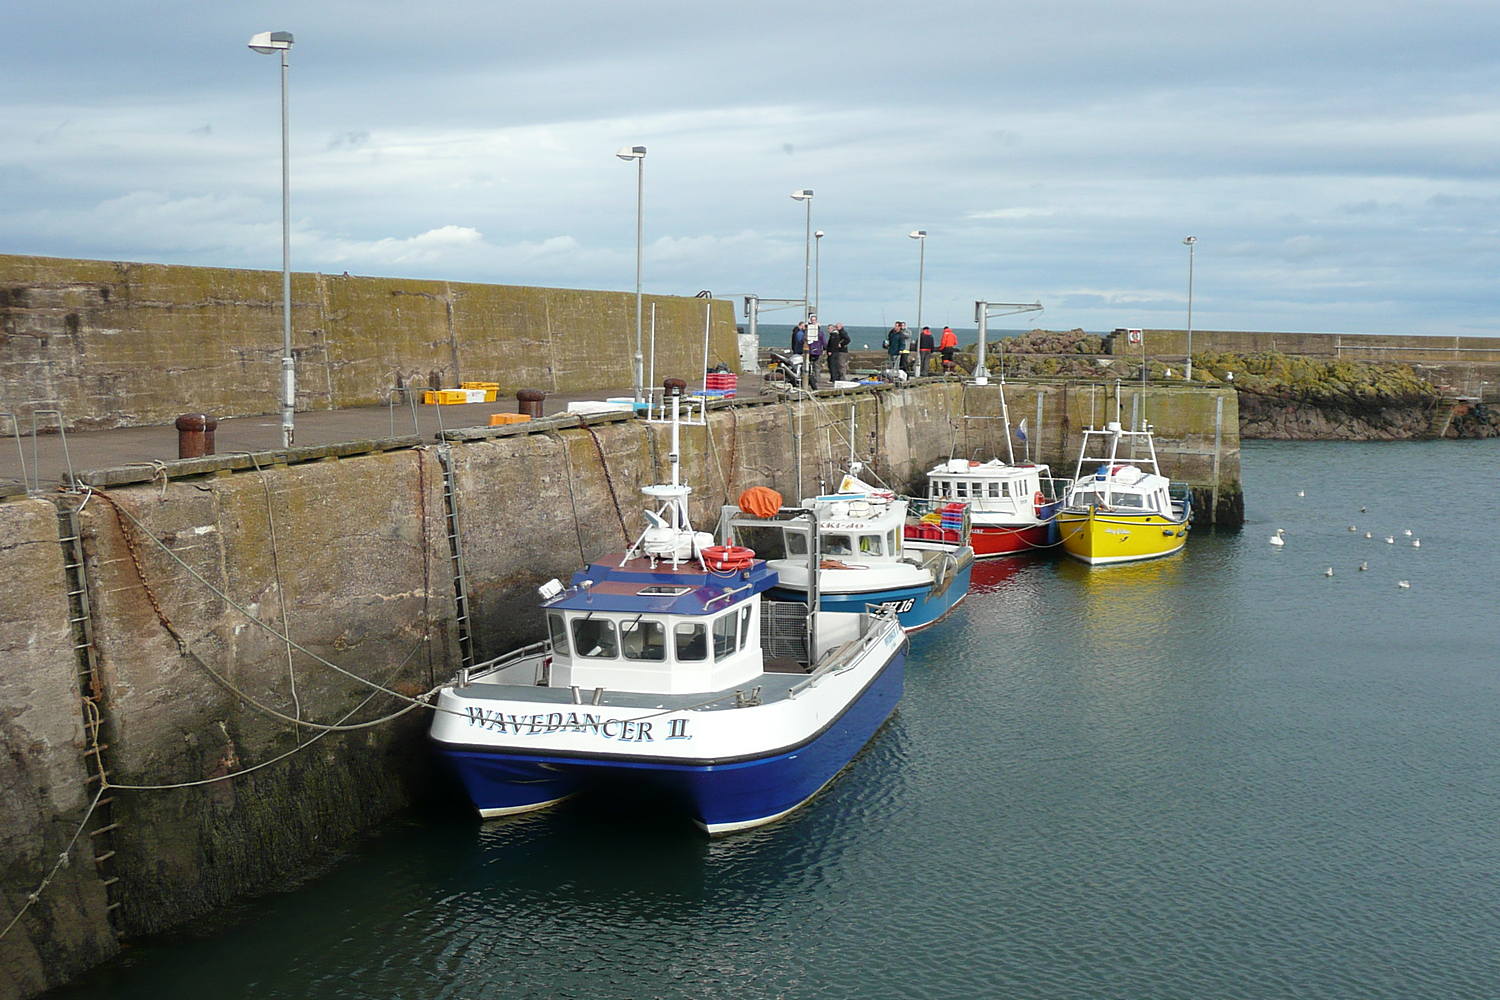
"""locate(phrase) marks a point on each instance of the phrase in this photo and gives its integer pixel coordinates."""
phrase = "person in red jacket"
(948, 346)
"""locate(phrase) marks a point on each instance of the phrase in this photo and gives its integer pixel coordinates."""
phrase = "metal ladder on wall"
(91, 692)
(456, 555)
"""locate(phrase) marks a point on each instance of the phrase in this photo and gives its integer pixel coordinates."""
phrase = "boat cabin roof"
(637, 586)
(993, 469)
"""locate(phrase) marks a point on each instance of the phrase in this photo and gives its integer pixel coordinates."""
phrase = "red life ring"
(727, 558)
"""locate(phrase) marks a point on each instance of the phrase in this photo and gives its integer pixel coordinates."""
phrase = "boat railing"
(504, 660)
(873, 627)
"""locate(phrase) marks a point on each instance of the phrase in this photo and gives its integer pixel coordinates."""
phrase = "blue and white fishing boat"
(664, 668)
(861, 556)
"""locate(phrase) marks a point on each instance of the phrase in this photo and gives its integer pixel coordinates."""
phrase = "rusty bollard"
(195, 435)
(529, 402)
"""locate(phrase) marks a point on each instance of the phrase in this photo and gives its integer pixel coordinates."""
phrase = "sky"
(1339, 162)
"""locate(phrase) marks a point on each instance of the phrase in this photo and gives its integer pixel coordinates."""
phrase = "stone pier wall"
(119, 345)
(192, 579)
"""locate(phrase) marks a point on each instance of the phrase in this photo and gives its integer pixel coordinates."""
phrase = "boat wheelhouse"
(1012, 508)
(856, 542)
(1124, 509)
(664, 667)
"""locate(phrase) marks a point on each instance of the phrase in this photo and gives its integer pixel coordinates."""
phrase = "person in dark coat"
(838, 353)
(925, 345)
(895, 345)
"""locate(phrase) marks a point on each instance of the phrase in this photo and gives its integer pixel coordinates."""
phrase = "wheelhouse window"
(645, 639)
(796, 543)
(557, 630)
(745, 626)
(595, 637)
(724, 635)
(767, 541)
(837, 545)
(891, 545)
(1132, 500)
(690, 640)
(870, 545)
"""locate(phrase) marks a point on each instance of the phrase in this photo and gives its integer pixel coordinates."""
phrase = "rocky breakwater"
(1310, 399)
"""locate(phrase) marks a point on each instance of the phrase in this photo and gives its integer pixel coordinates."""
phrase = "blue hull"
(723, 796)
(915, 607)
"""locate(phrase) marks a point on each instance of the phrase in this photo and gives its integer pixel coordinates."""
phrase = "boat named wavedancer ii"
(1125, 509)
(665, 668)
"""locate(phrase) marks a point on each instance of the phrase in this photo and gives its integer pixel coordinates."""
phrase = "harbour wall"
(113, 344)
(1436, 350)
(235, 611)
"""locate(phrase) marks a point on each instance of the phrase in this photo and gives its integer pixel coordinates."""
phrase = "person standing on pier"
(799, 351)
(948, 345)
(924, 345)
(817, 342)
(895, 346)
(838, 353)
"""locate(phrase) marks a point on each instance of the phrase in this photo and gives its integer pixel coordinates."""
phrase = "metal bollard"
(195, 435)
(529, 402)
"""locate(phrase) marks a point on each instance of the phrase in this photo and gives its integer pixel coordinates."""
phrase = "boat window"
(764, 539)
(869, 545)
(644, 640)
(558, 631)
(745, 626)
(796, 543)
(691, 640)
(595, 637)
(1004, 489)
(961, 490)
(1084, 498)
(837, 545)
(1132, 500)
(890, 543)
(724, 635)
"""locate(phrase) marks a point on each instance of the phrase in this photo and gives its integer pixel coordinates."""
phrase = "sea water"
(1222, 774)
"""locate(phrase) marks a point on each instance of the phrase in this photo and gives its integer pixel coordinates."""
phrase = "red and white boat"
(1012, 508)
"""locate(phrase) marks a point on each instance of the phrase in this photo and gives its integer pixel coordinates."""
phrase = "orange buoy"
(727, 558)
(760, 501)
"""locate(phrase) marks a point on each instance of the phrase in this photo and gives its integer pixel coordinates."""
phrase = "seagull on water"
(1390, 539)
(1363, 510)
(1416, 543)
(1302, 493)
(1404, 584)
(1363, 566)
(1328, 571)
(1353, 528)
(1276, 538)
(1368, 535)
(1407, 532)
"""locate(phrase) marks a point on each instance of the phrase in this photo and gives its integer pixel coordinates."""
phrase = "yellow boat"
(1125, 509)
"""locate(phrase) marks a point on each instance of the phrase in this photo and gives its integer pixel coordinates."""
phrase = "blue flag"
(1021, 430)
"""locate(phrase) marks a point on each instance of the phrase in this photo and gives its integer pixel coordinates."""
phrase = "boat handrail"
(726, 595)
(853, 649)
(542, 647)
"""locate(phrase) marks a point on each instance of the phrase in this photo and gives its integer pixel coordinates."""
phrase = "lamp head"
(271, 41)
(802, 195)
(631, 152)
(917, 234)
(1189, 240)
(818, 234)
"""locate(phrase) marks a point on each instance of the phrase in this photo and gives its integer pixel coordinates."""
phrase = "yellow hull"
(1100, 537)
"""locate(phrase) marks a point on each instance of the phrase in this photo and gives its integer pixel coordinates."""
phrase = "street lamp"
(920, 235)
(266, 43)
(638, 154)
(806, 195)
(1191, 242)
(818, 273)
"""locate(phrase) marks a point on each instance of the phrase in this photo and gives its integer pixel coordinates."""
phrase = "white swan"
(1416, 543)
(1407, 532)
(1368, 535)
(1301, 493)
(1404, 584)
(1276, 538)
(1390, 539)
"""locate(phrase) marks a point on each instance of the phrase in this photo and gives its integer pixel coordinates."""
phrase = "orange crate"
(501, 419)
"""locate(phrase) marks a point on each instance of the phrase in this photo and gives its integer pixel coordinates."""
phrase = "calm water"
(1221, 775)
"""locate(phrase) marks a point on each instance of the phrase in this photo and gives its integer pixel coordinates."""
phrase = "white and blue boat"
(666, 670)
(863, 560)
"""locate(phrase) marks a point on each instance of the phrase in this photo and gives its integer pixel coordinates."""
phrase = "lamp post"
(818, 273)
(1191, 242)
(638, 154)
(266, 43)
(920, 235)
(806, 195)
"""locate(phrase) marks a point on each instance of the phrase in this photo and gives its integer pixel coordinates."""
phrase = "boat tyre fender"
(727, 558)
